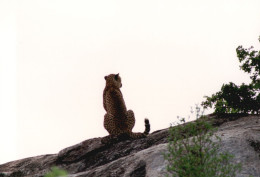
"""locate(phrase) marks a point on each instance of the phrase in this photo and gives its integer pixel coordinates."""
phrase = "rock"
(242, 139)
(148, 162)
(142, 157)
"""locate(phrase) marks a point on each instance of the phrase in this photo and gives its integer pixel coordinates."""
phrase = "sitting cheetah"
(118, 120)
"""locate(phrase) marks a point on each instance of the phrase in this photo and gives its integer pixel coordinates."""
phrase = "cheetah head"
(113, 80)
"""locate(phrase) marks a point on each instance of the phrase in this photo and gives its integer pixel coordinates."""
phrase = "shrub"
(193, 153)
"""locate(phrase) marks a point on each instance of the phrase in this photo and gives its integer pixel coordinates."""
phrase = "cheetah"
(118, 120)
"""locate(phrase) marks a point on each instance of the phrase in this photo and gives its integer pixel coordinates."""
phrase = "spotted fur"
(118, 120)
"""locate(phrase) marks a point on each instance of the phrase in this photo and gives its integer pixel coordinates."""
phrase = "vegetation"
(244, 98)
(193, 151)
(56, 172)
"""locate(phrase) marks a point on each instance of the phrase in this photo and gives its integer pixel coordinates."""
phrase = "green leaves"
(234, 99)
(250, 61)
(193, 153)
(56, 172)
(244, 98)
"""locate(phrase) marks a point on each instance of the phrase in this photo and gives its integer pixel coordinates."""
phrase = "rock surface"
(142, 157)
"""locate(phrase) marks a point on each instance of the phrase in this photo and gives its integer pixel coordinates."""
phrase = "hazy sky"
(55, 53)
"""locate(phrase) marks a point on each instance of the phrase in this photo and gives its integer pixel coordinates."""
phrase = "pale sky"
(55, 53)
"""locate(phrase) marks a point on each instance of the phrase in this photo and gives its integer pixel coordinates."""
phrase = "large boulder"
(142, 157)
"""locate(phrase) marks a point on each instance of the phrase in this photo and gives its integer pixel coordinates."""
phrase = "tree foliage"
(244, 98)
(250, 61)
(234, 99)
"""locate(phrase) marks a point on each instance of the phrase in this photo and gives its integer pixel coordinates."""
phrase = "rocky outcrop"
(142, 157)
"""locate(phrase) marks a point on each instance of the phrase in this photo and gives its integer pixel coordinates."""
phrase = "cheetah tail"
(147, 127)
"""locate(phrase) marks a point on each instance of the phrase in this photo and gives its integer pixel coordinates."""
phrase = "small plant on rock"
(56, 172)
(193, 151)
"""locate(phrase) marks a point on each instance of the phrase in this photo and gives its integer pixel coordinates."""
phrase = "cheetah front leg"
(110, 125)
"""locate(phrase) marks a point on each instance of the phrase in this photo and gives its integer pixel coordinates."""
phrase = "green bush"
(193, 153)
(56, 172)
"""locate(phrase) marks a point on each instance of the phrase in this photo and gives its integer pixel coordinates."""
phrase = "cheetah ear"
(116, 76)
(105, 77)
